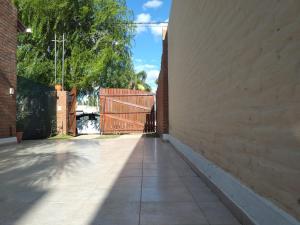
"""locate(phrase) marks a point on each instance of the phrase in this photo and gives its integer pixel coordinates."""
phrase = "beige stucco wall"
(234, 90)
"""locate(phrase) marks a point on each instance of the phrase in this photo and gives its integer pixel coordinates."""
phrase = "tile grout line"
(195, 171)
(189, 191)
(140, 210)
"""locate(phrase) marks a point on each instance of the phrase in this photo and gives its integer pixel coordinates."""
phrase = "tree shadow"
(122, 203)
(27, 171)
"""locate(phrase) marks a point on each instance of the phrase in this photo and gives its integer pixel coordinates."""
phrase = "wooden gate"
(72, 100)
(126, 111)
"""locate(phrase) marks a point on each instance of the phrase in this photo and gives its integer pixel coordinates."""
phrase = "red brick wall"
(62, 112)
(8, 44)
(162, 105)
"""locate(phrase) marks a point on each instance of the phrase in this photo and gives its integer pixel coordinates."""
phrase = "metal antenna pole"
(55, 58)
(55, 62)
(63, 62)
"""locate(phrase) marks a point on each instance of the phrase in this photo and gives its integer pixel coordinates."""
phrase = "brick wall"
(162, 114)
(8, 44)
(234, 90)
(62, 112)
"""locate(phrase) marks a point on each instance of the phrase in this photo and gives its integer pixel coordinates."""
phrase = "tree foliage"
(98, 49)
(139, 82)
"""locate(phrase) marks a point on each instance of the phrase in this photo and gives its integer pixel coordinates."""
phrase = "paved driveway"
(128, 180)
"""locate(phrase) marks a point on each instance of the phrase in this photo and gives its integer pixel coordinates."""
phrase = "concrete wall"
(8, 45)
(234, 90)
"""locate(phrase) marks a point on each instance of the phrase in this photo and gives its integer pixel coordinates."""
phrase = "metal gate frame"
(126, 111)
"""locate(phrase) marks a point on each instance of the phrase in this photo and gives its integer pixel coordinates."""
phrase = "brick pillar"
(62, 112)
(162, 95)
(8, 79)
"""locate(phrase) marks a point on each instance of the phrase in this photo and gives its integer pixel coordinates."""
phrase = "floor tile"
(193, 182)
(186, 173)
(218, 214)
(171, 213)
(125, 182)
(50, 213)
(95, 182)
(121, 195)
(133, 165)
(12, 211)
(131, 172)
(159, 182)
(202, 195)
(26, 196)
(166, 194)
(151, 165)
(159, 172)
(115, 214)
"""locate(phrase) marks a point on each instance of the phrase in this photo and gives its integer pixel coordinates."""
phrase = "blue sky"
(147, 45)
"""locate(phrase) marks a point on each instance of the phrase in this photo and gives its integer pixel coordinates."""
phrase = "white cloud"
(157, 30)
(138, 60)
(142, 18)
(145, 67)
(152, 4)
(152, 73)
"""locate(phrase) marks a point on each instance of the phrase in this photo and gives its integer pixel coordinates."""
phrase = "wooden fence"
(126, 111)
(72, 123)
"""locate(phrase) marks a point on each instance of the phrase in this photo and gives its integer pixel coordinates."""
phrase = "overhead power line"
(150, 23)
(146, 24)
(153, 26)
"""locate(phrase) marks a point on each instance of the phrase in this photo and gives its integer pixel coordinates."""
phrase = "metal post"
(63, 62)
(55, 60)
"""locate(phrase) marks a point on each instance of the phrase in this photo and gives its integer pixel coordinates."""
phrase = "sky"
(147, 44)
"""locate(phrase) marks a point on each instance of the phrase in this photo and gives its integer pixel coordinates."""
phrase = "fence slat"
(126, 111)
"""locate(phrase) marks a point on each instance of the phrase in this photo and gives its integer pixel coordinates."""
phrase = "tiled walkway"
(128, 180)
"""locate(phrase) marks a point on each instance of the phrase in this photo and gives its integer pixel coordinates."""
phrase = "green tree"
(138, 81)
(98, 48)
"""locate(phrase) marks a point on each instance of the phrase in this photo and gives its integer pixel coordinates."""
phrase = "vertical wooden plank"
(123, 110)
(72, 126)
